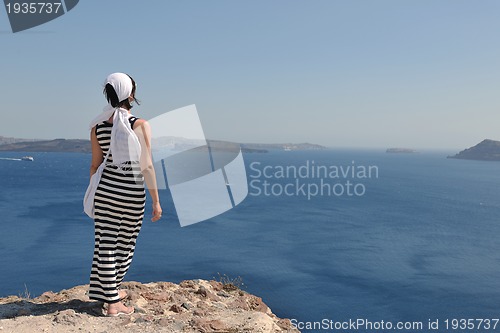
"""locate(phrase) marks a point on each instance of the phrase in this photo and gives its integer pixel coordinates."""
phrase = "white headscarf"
(125, 145)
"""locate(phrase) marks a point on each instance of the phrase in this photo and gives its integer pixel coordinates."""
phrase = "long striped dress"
(119, 210)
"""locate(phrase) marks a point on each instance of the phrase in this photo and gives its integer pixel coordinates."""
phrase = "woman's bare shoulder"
(140, 122)
(141, 125)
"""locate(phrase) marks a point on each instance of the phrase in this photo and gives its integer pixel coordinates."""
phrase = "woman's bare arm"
(97, 157)
(143, 131)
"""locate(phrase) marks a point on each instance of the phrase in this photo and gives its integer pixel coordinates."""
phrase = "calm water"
(422, 242)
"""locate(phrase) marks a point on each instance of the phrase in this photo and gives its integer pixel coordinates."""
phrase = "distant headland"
(57, 145)
(83, 146)
(486, 150)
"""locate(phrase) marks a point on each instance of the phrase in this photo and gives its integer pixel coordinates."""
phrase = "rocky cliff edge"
(190, 306)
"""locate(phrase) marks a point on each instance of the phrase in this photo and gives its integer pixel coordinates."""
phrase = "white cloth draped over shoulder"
(125, 145)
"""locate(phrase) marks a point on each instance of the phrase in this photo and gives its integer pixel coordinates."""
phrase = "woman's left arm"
(143, 131)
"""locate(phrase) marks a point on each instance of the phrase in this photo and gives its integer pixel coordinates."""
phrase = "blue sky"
(420, 74)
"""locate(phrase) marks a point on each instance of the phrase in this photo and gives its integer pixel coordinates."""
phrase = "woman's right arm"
(96, 153)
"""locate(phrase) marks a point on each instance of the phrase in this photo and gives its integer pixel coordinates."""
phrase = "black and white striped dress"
(119, 210)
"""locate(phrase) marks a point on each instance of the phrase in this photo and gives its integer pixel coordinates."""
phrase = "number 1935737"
(33, 7)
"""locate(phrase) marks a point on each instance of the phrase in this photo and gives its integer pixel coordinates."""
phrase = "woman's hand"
(156, 212)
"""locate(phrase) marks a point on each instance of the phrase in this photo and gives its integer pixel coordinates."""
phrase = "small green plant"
(230, 284)
(25, 294)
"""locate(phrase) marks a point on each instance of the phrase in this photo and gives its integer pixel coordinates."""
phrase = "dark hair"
(112, 97)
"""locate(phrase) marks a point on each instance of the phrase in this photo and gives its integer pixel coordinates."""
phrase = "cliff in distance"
(57, 145)
(486, 150)
(83, 146)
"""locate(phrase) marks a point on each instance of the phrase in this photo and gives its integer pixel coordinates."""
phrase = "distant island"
(57, 145)
(83, 146)
(486, 150)
(283, 146)
(400, 151)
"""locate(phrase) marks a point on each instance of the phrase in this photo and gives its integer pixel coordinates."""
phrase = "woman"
(120, 197)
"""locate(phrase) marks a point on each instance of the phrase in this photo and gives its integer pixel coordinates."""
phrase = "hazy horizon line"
(356, 147)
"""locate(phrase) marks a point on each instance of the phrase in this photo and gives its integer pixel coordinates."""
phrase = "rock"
(133, 296)
(187, 284)
(217, 286)
(157, 310)
(191, 306)
(256, 303)
(162, 297)
(285, 324)
(202, 291)
(47, 296)
(178, 299)
(240, 303)
(140, 303)
(175, 308)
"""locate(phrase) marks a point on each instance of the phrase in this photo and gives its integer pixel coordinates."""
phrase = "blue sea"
(419, 241)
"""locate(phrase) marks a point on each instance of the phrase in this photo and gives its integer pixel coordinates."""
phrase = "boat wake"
(10, 159)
